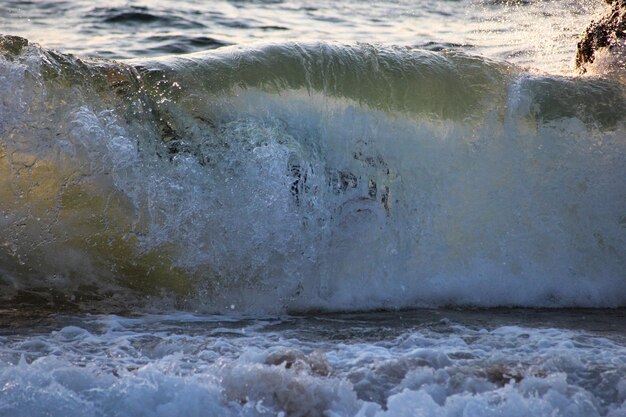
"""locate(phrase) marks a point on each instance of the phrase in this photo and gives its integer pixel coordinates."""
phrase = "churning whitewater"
(410, 364)
(308, 176)
(407, 208)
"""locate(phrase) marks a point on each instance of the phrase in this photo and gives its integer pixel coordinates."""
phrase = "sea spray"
(305, 176)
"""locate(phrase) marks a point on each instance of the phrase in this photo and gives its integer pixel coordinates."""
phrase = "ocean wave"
(308, 176)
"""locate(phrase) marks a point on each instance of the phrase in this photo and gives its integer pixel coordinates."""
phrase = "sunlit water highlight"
(538, 34)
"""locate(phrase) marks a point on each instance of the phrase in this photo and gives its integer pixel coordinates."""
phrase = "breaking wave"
(308, 176)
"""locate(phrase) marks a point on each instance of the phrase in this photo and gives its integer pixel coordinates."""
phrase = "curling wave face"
(308, 176)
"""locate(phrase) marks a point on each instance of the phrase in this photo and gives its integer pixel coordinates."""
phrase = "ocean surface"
(298, 209)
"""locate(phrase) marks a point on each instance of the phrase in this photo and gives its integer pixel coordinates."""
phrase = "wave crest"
(308, 176)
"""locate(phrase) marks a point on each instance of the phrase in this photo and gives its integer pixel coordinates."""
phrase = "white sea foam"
(113, 366)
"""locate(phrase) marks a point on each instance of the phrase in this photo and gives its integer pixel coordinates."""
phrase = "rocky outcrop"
(609, 32)
(11, 46)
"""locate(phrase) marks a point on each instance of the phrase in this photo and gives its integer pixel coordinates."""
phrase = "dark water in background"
(531, 33)
(436, 159)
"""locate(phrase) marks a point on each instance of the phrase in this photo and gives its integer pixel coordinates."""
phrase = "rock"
(314, 363)
(12, 45)
(609, 33)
